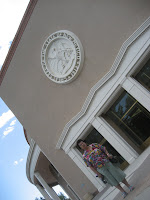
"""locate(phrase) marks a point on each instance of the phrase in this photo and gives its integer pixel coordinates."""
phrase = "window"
(131, 120)
(143, 76)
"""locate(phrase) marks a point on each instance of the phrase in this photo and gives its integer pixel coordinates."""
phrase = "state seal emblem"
(62, 57)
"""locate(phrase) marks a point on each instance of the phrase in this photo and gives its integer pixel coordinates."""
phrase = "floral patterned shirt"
(96, 157)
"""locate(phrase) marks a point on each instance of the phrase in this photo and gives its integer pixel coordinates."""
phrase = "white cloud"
(13, 122)
(5, 117)
(16, 162)
(8, 130)
(11, 13)
(21, 160)
(3, 53)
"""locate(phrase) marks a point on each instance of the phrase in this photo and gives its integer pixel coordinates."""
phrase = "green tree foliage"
(41, 198)
(63, 197)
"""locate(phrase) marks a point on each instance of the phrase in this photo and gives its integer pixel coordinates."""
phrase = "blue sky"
(13, 146)
(13, 154)
(14, 149)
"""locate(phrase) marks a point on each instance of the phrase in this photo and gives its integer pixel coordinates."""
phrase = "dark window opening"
(143, 76)
(128, 115)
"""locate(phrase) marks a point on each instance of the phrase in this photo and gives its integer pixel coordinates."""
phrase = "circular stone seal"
(62, 56)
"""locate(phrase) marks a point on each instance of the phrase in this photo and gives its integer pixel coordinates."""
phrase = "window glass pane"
(121, 106)
(139, 122)
(144, 75)
(94, 137)
(132, 118)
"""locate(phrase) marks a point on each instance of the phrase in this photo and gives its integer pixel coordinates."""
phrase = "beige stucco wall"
(44, 107)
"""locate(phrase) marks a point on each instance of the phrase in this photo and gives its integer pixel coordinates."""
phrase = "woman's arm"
(105, 151)
(109, 155)
(96, 172)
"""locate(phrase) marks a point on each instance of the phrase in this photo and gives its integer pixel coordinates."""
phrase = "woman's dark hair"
(80, 140)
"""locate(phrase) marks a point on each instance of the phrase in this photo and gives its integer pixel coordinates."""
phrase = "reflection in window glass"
(131, 117)
(122, 105)
(144, 75)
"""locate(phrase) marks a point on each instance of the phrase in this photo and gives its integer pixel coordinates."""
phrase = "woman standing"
(97, 158)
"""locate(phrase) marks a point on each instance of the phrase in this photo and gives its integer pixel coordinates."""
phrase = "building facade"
(80, 69)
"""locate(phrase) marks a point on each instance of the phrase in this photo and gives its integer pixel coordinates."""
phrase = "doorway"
(93, 136)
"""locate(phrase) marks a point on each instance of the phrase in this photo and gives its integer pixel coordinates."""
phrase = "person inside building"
(98, 159)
